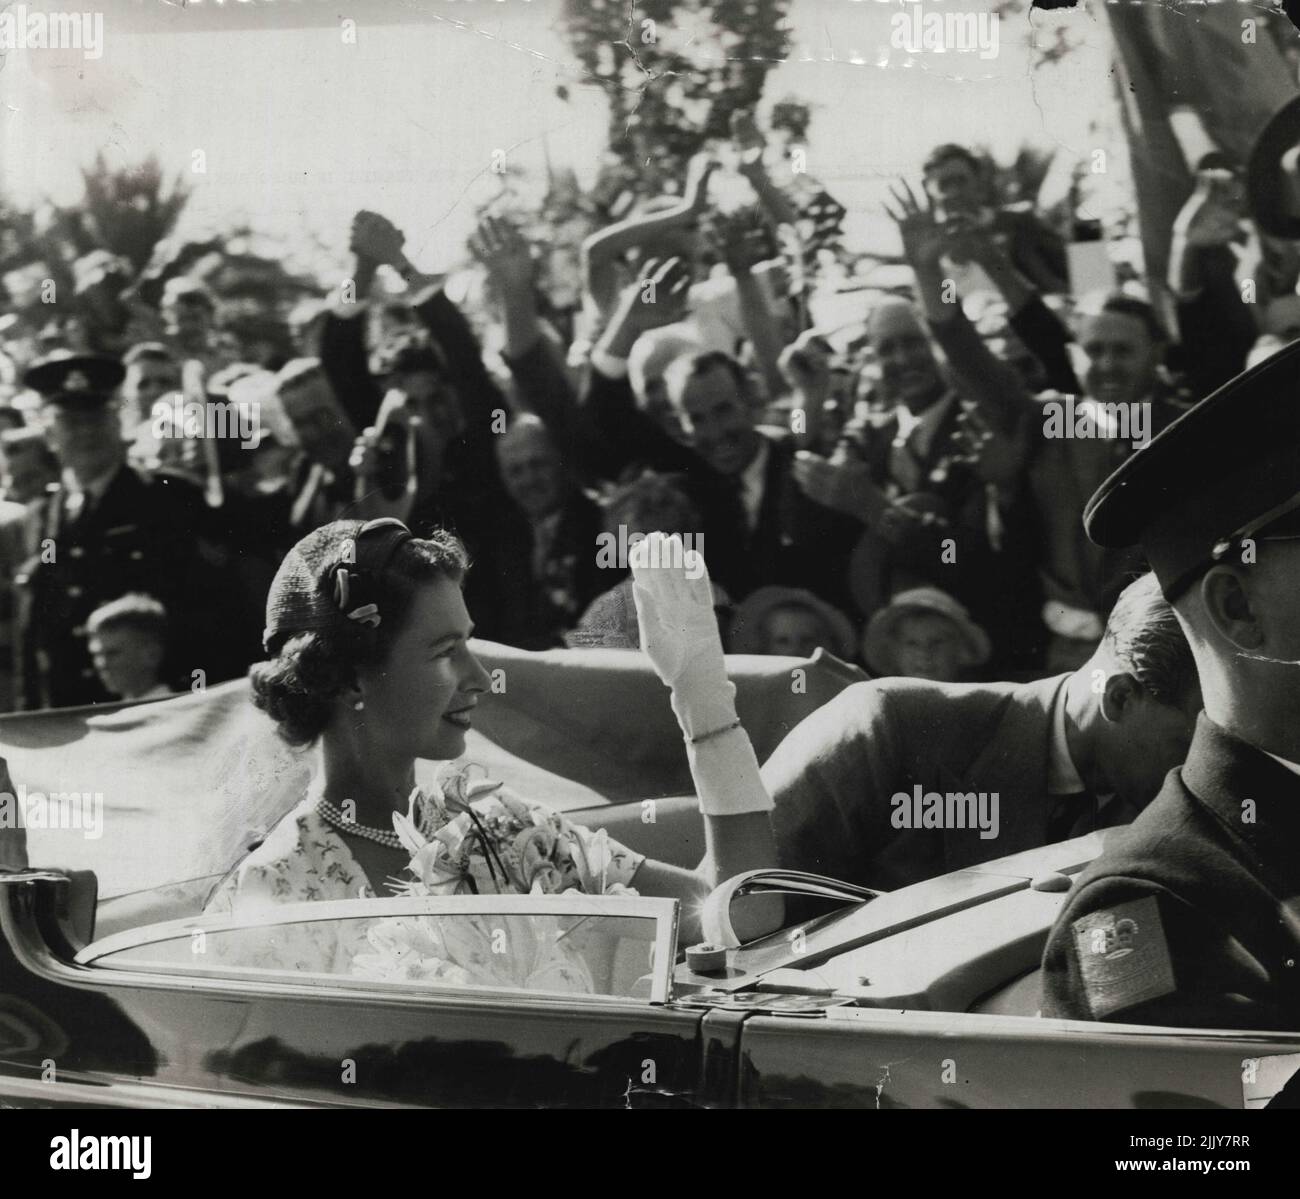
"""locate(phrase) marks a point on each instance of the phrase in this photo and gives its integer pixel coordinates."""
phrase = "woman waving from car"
(368, 636)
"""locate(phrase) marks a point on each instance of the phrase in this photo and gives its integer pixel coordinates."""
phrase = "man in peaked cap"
(104, 530)
(1191, 916)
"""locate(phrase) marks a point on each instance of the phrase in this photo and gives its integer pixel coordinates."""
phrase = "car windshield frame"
(663, 911)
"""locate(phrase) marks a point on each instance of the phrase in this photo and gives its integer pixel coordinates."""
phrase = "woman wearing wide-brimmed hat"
(924, 633)
(791, 621)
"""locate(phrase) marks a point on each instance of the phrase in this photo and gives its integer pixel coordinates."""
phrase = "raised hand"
(679, 631)
(501, 248)
(806, 362)
(696, 195)
(376, 239)
(1212, 214)
(674, 606)
(923, 236)
(655, 299)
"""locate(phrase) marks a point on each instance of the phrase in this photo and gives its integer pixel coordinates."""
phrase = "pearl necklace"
(332, 815)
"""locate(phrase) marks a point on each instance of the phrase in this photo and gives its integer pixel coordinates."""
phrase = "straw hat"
(877, 643)
(747, 625)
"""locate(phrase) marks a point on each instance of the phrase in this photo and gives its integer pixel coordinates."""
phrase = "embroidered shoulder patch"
(1123, 956)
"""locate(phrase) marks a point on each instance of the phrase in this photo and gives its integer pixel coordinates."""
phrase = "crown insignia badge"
(1121, 938)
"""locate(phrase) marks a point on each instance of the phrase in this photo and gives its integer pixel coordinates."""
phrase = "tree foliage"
(673, 74)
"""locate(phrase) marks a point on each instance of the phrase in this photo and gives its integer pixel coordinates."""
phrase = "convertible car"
(126, 994)
(923, 997)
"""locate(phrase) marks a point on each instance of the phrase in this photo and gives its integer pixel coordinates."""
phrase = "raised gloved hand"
(679, 632)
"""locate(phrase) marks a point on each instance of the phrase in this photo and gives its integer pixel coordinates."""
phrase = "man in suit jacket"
(1038, 761)
(1192, 916)
(955, 180)
(758, 525)
(443, 376)
(543, 560)
(934, 471)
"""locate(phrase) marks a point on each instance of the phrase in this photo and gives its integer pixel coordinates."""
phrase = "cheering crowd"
(904, 493)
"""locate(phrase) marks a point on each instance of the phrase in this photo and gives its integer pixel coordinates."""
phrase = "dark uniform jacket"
(834, 775)
(141, 535)
(1190, 916)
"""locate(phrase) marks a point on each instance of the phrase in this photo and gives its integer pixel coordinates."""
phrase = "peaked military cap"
(1226, 470)
(65, 377)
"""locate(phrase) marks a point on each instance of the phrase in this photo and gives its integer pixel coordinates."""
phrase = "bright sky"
(299, 129)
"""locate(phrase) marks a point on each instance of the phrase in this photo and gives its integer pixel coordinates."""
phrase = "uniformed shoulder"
(1113, 948)
(1174, 844)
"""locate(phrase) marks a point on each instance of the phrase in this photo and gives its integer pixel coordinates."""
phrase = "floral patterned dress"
(464, 838)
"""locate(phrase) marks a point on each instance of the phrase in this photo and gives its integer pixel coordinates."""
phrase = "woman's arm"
(679, 632)
(601, 250)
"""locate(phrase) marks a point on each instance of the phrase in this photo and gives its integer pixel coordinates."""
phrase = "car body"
(922, 997)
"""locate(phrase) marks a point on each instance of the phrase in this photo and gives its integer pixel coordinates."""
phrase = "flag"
(1190, 59)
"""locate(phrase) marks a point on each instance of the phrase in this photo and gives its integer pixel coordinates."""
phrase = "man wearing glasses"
(1191, 916)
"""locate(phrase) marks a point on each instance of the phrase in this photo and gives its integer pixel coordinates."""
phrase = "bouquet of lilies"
(467, 839)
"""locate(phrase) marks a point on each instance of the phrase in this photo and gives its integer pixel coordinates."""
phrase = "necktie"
(904, 461)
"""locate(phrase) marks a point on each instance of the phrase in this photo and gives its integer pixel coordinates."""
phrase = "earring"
(361, 703)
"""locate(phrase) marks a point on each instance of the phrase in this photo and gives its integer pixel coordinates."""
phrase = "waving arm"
(679, 632)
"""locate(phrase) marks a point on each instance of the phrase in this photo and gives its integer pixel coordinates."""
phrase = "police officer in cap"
(104, 530)
(1191, 915)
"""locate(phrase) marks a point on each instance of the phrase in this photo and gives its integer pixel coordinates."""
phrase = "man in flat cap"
(103, 531)
(1191, 916)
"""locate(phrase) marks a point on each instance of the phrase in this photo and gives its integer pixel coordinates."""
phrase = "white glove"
(679, 632)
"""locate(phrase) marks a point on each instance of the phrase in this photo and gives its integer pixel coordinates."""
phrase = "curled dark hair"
(948, 151)
(1122, 304)
(317, 657)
